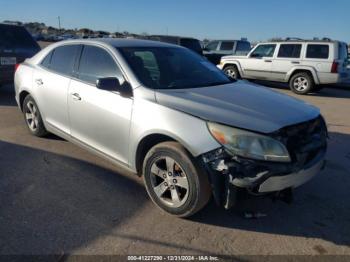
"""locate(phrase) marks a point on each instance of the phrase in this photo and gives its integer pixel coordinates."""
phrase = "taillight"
(16, 66)
(334, 67)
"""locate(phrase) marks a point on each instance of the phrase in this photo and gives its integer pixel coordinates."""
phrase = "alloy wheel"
(301, 84)
(31, 115)
(169, 182)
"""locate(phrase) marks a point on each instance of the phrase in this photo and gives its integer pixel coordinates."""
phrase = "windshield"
(172, 68)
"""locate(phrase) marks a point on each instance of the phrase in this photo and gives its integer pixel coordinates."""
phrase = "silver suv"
(304, 64)
(165, 112)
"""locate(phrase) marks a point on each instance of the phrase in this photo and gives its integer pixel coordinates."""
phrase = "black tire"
(35, 125)
(301, 83)
(232, 71)
(199, 191)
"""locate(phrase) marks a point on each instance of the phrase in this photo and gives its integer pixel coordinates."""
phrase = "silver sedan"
(167, 114)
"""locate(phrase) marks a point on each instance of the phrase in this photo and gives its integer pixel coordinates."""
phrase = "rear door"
(52, 80)
(99, 118)
(288, 56)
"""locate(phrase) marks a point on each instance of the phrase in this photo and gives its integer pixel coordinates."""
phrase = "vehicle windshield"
(172, 68)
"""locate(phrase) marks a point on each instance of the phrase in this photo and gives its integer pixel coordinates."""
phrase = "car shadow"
(7, 95)
(321, 208)
(52, 203)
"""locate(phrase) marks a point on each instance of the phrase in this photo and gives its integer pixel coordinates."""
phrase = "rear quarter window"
(317, 51)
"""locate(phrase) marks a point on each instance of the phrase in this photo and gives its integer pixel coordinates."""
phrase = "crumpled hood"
(240, 104)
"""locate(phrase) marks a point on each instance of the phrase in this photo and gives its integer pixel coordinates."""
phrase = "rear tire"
(33, 118)
(174, 180)
(232, 72)
(301, 83)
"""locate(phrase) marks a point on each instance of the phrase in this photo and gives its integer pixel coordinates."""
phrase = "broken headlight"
(248, 144)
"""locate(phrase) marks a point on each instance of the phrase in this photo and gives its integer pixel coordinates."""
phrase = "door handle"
(76, 97)
(39, 82)
(268, 61)
(295, 62)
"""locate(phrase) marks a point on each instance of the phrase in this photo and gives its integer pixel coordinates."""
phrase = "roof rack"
(293, 39)
(297, 39)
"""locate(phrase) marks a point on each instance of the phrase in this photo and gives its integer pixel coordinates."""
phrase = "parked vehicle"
(304, 64)
(214, 50)
(16, 44)
(188, 42)
(167, 114)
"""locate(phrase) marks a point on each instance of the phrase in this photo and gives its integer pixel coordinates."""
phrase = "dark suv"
(188, 42)
(16, 44)
(214, 50)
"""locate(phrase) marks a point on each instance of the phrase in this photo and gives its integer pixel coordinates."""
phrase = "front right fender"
(149, 118)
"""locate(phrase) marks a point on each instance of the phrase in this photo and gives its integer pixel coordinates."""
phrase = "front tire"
(33, 118)
(301, 83)
(174, 181)
(232, 72)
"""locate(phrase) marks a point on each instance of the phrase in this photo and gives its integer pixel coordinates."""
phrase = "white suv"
(305, 64)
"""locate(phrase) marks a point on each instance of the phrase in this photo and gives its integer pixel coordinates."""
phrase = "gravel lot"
(56, 198)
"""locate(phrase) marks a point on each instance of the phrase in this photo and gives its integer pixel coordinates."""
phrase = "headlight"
(247, 144)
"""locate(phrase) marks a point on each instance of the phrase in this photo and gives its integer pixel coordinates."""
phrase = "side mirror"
(113, 84)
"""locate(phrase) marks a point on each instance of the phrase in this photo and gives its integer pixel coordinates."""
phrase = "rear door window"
(226, 46)
(289, 50)
(63, 59)
(47, 61)
(96, 63)
(317, 51)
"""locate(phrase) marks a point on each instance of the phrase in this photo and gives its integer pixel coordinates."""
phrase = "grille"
(304, 141)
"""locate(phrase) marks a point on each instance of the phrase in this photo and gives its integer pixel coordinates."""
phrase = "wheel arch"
(22, 95)
(149, 141)
(309, 70)
(234, 63)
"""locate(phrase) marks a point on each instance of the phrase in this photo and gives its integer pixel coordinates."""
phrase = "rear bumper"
(330, 78)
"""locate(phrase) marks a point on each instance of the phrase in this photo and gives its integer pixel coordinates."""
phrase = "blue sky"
(225, 19)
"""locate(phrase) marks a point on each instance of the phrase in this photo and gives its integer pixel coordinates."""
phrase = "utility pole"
(59, 22)
(166, 30)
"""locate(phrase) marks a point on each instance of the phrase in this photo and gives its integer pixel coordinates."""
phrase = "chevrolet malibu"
(167, 114)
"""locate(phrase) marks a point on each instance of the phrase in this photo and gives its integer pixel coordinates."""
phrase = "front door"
(258, 64)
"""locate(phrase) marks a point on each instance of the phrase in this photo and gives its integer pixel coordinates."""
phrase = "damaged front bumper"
(228, 173)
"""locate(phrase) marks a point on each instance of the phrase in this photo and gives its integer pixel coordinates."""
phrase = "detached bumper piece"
(307, 145)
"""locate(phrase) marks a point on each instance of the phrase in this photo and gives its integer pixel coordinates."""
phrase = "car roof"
(228, 40)
(120, 42)
(174, 37)
(302, 41)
